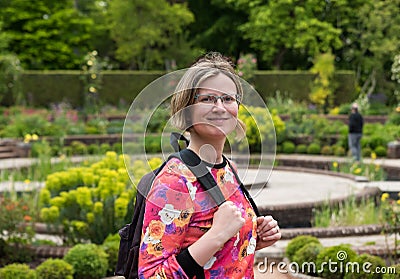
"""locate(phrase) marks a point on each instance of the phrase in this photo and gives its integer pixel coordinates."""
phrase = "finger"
(268, 228)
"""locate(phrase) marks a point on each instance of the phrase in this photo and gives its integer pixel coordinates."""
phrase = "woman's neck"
(209, 151)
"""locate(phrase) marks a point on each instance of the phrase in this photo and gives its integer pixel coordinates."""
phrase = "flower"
(246, 65)
(28, 138)
(27, 218)
(373, 155)
(168, 214)
(156, 229)
(357, 171)
(335, 164)
(384, 197)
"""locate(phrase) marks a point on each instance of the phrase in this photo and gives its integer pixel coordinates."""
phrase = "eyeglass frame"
(216, 97)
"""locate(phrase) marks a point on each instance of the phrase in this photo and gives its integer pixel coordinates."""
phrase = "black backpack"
(128, 254)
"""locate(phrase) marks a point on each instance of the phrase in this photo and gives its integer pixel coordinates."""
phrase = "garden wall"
(40, 88)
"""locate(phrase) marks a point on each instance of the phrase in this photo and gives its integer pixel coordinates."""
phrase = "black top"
(356, 123)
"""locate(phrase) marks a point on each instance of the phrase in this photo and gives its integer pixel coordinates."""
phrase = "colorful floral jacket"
(179, 211)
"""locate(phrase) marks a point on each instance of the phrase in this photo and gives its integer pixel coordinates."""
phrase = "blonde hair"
(205, 67)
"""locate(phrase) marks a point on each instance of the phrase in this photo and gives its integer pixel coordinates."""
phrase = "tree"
(10, 72)
(46, 34)
(216, 27)
(278, 28)
(372, 40)
(144, 29)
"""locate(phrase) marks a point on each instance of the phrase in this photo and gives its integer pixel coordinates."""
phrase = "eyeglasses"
(212, 99)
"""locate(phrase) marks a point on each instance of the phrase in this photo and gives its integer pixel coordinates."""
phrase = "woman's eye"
(228, 99)
(207, 99)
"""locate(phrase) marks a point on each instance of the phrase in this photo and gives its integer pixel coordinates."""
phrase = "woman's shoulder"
(175, 168)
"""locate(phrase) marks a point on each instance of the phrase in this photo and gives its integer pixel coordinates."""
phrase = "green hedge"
(40, 88)
(296, 84)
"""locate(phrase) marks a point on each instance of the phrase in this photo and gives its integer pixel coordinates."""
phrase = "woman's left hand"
(267, 232)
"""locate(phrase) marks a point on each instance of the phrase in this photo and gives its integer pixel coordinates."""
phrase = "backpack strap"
(174, 141)
(244, 190)
(199, 169)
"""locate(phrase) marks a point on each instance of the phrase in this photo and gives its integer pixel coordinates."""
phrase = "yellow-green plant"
(259, 128)
(91, 202)
(323, 87)
(390, 217)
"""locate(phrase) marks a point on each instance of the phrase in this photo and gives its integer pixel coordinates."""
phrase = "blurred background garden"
(70, 69)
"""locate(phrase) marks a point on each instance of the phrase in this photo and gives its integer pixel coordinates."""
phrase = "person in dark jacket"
(356, 123)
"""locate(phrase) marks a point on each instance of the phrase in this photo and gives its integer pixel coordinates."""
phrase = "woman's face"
(214, 114)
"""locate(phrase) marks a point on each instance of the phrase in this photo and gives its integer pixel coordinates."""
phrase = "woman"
(184, 234)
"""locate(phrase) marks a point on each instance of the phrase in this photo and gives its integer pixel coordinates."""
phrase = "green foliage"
(301, 149)
(16, 218)
(314, 148)
(158, 120)
(326, 150)
(92, 201)
(393, 275)
(17, 271)
(10, 79)
(307, 254)
(288, 147)
(338, 150)
(139, 41)
(92, 79)
(303, 31)
(259, 128)
(390, 219)
(246, 66)
(297, 243)
(341, 254)
(78, 148)
(374, 262)
(394, 118)
(89, 261)
(111, 247)
(347, 213)
(46, 34)
(54, 269)
(380, 151)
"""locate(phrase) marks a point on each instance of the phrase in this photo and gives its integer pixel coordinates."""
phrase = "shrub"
(339, 150)
(55, 269)
(288, 147)
(314, 148)
(341, 254)
(93, 148)
(78, 148)
(366, 152)
(380, 151)
(17, 271)
(117, 147)
(111, 247)
(301, 149)
(89, 261)
(307, 254)
(105, 147)
(326, 150)
(394, 118)
(297, 243)
(90, 202)
(395, 275)
(358, 271)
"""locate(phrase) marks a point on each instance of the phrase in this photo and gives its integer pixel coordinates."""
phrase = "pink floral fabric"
(179, 211)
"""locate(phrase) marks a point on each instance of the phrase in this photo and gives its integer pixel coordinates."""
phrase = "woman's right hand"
(227, 221)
